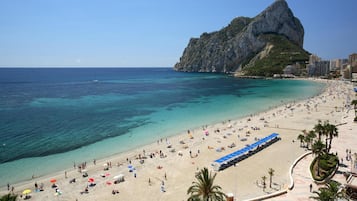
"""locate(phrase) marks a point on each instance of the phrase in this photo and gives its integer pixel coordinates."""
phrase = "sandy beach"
(170, 164)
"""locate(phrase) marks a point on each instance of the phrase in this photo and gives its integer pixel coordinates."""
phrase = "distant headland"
(259, 46)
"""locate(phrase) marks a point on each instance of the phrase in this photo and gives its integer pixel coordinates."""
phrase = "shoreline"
(28, 166)
(204, 156)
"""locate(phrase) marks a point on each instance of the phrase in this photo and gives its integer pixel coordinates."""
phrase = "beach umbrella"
(53, 180)
(91, 180)
(130, 166)
(84, 170)
(27, 191)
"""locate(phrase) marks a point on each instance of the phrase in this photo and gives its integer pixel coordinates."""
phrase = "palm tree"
(271, 174)
(301, 137)
(332, 131)
(326, 127)
(264, 184)
(203, 189)
(331, 191)
(322, 195)
(317, 149)
(319, 128)
(309, 139)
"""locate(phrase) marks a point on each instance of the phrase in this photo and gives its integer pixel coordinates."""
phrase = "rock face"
(234, 46)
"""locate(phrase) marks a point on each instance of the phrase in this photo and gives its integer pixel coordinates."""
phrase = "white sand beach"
(171, 163)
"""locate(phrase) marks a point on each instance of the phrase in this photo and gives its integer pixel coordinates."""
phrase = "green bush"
(327, 165)
(8, 197)
(324, 165)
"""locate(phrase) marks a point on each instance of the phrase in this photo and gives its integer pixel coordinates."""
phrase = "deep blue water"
(56, 110)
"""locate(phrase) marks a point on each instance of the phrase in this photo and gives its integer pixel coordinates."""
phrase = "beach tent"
(118, 178)
(226, 160)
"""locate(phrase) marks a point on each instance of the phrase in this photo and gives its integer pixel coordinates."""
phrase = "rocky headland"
(259, 46)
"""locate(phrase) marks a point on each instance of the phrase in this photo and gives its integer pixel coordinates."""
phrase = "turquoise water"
(51, 118)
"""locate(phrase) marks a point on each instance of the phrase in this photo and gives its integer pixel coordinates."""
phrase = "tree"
(271, 174)
(301, 137)
(317, 149)
(309, 139)
(319, 128)
(322, 195)
(332, 132)
(331, 191)
(8, 197)
(264, 178)
(203, 189)
(326, 126)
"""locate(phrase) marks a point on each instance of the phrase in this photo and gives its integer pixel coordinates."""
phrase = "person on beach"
(163, 188)
(41, 186)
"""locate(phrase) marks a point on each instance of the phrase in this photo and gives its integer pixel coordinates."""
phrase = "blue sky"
(142, 33)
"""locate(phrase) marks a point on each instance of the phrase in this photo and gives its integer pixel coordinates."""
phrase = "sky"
(142, 33)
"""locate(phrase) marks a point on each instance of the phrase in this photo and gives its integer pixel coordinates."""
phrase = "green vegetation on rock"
(282, 52)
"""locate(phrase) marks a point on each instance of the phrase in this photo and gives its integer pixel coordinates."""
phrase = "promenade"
(301, 174)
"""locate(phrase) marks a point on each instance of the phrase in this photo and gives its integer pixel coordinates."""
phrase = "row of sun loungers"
(241, 154)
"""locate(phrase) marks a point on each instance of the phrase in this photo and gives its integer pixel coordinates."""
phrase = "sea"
(51, 118)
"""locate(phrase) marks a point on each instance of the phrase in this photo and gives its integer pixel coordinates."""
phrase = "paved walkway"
(302, 181)
(301, 173)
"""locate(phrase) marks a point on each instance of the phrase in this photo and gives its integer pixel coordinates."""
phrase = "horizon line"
(85, 67)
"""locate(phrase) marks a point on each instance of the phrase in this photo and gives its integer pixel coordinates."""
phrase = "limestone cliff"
(237, 47)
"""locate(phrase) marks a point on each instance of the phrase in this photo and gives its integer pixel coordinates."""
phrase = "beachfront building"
(352, 61)
(346, 72)
(314, 58)
(318, 69)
